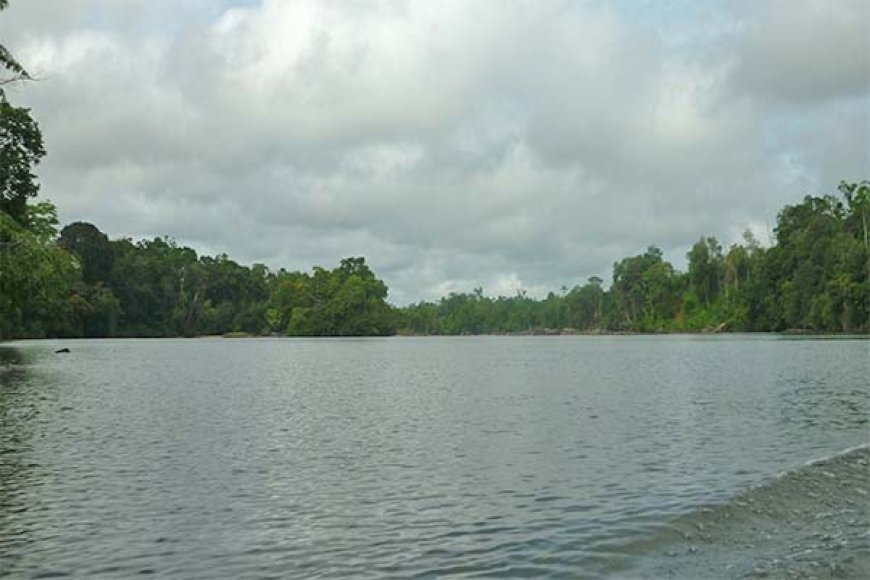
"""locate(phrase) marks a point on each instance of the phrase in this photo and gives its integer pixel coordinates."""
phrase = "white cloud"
(805, 51)
(455, 144)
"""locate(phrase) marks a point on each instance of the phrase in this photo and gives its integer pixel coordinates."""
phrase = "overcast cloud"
(503, 144)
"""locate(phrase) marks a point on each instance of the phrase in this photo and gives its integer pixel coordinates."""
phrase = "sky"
(511, 144)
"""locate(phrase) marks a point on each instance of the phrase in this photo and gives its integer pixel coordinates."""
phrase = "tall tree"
(92, 248)
(35, 277)
(21, 146)
(644, 291)
(706, 269)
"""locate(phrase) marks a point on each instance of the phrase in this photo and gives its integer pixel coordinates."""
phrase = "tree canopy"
(815, 277)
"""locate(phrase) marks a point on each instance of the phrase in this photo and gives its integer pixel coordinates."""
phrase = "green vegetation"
(81, 283)
(90, 286)
(157, 288)
(816, 277)
(35, 275)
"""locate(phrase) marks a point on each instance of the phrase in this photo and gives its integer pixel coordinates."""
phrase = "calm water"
(471, 456)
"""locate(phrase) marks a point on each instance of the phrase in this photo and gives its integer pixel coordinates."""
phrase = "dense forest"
(156, 288)
(76, 282)
(816, 278)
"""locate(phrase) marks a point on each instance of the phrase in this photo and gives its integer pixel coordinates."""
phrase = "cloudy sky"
(504, 144)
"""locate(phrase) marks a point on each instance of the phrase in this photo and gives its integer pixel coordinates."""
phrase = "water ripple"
(406, 458)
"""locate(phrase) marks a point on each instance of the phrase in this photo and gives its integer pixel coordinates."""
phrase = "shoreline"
(545, 333)
(571, 332)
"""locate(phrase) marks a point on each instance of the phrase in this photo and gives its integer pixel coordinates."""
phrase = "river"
(466, 456)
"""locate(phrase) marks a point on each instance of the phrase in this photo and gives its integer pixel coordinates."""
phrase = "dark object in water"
(60, 350)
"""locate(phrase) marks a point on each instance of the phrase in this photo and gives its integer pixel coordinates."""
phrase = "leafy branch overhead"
(14, 69)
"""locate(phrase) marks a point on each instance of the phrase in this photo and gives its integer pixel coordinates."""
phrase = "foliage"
(347, 301)
(35, 275)
(157, 288)
(816, 277)
(21, 148)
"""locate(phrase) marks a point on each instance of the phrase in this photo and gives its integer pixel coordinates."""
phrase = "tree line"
(79, 283)
(815, 277)
(156, 288)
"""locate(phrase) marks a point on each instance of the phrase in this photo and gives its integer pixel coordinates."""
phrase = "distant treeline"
(155, 288)
(816, 277)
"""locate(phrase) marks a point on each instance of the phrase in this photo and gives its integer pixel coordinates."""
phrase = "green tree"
(21, 148)
(35, 274)
(92, 248)
(35, 277)
(858, 200)
(644, 291)
(705, 269)
(347, 301)
(585, 305)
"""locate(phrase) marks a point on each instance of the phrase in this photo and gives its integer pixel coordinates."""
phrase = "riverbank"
(599, 332)
(530, 333)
